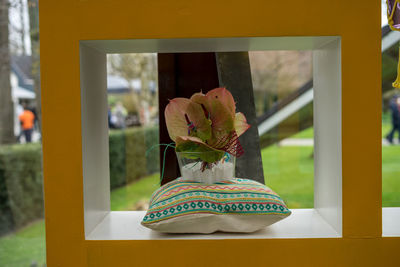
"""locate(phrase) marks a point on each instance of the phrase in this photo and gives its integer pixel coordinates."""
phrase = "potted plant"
(205, 129)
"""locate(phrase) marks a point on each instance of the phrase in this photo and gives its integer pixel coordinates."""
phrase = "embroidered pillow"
(237, 205)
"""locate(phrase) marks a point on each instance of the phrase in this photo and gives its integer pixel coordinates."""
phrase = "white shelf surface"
(390, 222)
(125, 225)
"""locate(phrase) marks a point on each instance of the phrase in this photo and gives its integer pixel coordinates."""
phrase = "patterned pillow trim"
(225, 198)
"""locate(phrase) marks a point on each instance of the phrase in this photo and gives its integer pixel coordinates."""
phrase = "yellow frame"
(63, 23)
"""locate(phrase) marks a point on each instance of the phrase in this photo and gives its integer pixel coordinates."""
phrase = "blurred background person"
(394, 107)
(118, 115)
(27, 120)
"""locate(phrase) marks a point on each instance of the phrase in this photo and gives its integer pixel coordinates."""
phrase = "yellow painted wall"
(64, 22)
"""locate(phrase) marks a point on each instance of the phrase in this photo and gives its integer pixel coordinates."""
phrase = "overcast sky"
(15, 21)
(383, 16)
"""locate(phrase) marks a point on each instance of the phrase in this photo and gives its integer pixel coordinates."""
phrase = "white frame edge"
(95, 152)
(327, 86)
(328, 133)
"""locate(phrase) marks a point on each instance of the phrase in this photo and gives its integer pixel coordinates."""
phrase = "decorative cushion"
(237, 205)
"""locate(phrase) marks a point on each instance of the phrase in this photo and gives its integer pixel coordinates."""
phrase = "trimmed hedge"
(6, 219)
(127, 155)
(21, 183)
(151, 137)
(135, 159)
(117, 158)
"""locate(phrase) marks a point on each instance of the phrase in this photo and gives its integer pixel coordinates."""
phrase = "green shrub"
(135, 149)
(21, 183)
(127, 154)
(153, 156)
(6, 220)
(21, 175)
(117, 158)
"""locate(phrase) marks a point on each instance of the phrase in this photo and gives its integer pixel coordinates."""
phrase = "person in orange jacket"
(27, 119)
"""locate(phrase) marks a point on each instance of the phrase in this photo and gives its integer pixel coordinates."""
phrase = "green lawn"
(305, 134)
(287, 170)
(127, 197)
(28, 244)
(24, 247)
(391, 176)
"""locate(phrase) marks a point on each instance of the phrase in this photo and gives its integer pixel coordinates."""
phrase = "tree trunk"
(22, 32)
(33, 9)
(6, 104)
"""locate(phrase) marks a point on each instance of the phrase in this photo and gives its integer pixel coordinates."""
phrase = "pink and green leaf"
(225, 97)
(219, 104)
(241, 125)
(201, 123)
(195, 145)
(175, 117)
(176, 121)
(204, 123)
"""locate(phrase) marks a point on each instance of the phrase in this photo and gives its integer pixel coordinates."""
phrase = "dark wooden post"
(234, 74)
(181, 74)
